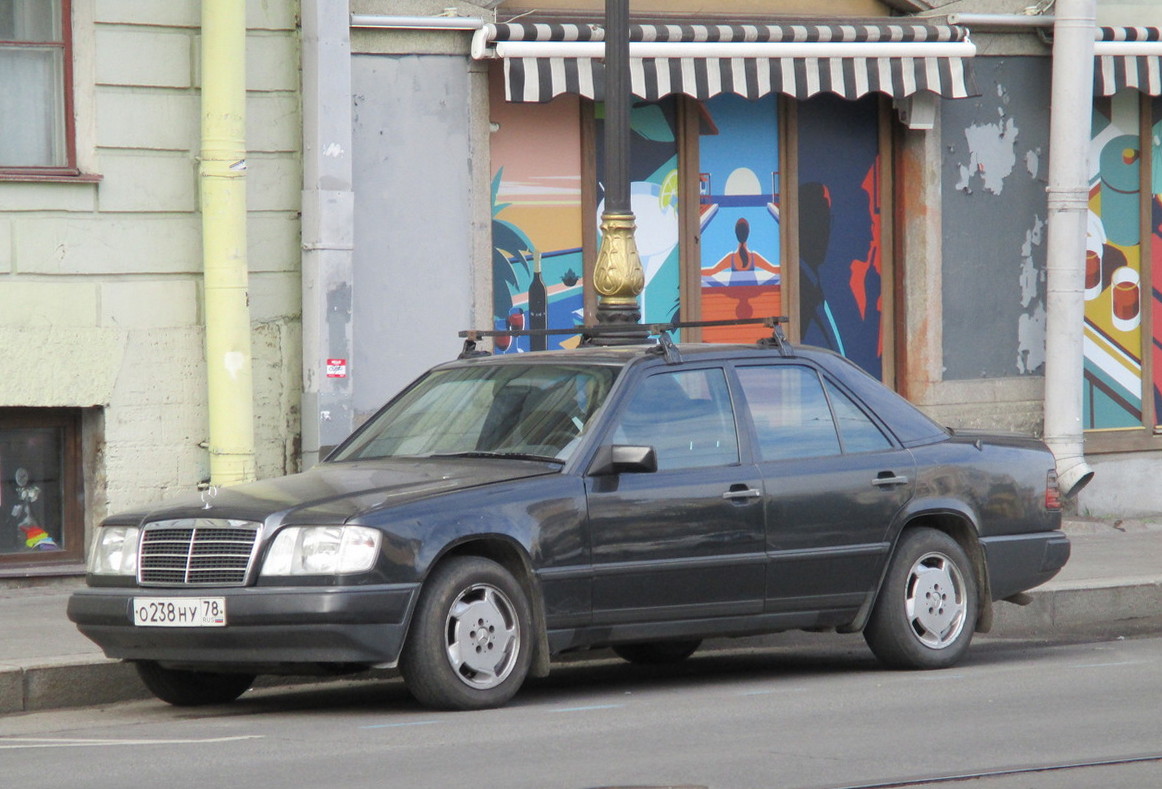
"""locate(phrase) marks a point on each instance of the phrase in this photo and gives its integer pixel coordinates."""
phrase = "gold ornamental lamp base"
(619, 279)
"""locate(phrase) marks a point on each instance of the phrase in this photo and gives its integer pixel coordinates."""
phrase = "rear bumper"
(1023, 561)
(275, 628)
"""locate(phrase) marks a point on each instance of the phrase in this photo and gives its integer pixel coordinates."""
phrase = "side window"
(858, 432)
(685, 416)
(789, 411)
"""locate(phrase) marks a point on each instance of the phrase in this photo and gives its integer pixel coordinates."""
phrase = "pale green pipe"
(222, 176)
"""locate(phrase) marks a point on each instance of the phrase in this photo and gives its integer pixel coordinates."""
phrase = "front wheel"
(927, 609)
(192, 688)
(470, 645)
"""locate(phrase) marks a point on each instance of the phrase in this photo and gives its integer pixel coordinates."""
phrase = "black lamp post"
(618, 277)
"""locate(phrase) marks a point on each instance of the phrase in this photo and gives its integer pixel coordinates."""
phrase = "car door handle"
(887, 479)
(742, 492)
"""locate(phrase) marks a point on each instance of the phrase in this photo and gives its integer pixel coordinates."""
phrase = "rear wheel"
(470, 644)
(927, 610)
(657, 653)
(192, 688)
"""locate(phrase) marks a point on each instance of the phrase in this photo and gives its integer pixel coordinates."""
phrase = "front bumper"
(1022, 561)
(267, 628)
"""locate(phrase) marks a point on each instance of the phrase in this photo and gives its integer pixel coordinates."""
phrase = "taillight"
(1052, 492)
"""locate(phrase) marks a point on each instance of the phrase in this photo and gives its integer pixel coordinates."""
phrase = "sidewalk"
(1111, 586)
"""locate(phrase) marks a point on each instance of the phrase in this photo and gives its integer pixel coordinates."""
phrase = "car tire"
(657, 653)
(470, 643)
(192, 688)
(926, 612)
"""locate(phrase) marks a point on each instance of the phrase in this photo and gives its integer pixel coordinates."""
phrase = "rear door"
(833, 482)
(686, 541)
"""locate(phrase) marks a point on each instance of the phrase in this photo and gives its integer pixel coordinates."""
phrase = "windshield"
(537, 411)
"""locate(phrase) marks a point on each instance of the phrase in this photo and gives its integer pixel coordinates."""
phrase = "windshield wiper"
(479, 453)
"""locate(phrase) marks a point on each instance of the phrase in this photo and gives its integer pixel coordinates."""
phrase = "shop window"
(840, 277)
(739, 211)
(1123, 319)
(654, 137)
(537, 228)
(40, 487)
(36, 125)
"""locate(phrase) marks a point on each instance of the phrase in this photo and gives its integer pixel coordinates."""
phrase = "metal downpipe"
(1069, 131)
(222, 180)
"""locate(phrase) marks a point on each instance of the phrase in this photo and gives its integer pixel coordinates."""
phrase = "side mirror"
(624, 459)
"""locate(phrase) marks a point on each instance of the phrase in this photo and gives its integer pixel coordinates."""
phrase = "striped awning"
(542, 61)
(1128, 57)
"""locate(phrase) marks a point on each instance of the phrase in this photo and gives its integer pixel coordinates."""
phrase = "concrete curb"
(72, 682)
(1086, 610)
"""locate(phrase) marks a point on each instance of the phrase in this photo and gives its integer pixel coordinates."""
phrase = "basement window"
(41, 488)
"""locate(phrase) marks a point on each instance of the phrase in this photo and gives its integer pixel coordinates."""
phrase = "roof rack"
(664, 345)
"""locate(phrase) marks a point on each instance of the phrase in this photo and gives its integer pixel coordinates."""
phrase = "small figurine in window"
(35, 537)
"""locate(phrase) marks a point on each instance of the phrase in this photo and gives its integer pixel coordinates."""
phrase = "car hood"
(339, 492)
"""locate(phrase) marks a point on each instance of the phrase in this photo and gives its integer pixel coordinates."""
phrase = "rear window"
(910, 425)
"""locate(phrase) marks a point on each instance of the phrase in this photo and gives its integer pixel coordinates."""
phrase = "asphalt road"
(818, 713)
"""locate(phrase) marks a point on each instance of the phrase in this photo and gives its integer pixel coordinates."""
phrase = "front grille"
(196, 552)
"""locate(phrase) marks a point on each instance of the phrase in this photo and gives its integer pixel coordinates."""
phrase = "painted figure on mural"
(741, 259)
(818, 324)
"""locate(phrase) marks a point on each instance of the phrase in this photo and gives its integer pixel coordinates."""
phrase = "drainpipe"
(1069, 130)
(222, 177)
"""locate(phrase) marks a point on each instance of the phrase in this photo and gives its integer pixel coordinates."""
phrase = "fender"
(960, 522)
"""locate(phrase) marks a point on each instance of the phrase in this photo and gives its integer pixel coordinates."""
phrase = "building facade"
(103, 396)
(411, 172)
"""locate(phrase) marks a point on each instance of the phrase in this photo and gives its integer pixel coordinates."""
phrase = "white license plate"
(179, 611)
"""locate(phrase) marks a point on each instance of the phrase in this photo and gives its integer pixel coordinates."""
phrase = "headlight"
(114, 551)
(322, 550)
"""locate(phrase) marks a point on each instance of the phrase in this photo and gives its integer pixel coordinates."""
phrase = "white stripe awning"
(1128, 57)
(542, 61)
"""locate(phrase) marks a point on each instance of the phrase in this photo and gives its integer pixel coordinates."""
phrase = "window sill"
(65, 569)
(1108, 442)
(53, 177)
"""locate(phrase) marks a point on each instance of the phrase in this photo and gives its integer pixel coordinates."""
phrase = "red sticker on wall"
(336, 368)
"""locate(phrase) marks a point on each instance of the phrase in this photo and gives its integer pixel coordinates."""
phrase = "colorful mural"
(653, 175)
(536, 220)
(739, 214)
(1113, 308)
(840, 253)
(1156, 252)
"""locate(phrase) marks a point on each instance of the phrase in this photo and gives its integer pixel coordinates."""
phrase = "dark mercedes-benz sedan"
(503, 510)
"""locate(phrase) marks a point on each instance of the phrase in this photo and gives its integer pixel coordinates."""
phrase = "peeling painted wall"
(994, 171)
